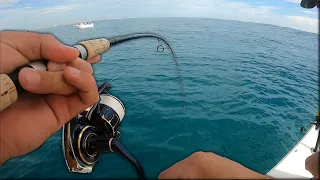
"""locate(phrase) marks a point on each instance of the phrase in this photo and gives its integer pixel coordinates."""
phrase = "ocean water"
(248, 90)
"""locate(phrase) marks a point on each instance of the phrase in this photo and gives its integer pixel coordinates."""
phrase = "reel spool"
(107, 115)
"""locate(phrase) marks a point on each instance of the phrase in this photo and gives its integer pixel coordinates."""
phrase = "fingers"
(79, 85)
(34, 46)
(84, 82)
(55, 67)
(51, 82)
(94, 59)
(79, 64)
(88, 91)
(312, 164)
(44, 82)
(10, 58)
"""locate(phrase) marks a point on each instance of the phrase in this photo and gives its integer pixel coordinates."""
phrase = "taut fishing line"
(160, 48)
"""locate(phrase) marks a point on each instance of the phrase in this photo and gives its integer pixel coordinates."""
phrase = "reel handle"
(10, 87)
(100, 144)
(118, 147)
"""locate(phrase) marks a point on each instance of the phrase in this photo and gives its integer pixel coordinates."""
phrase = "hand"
(205, 165)
(55, 98)
(312, 164)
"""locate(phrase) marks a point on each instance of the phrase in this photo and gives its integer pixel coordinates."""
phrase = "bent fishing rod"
(11, 88)
(95, 130)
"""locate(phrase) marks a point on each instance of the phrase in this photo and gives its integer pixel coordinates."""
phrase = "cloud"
(61, 8)
(303, 20)
(68, 12)
(30, 17)
(221, 9)
(309, 12)
(30, 10)
(294, 1)
(304, 23)
(7, 3)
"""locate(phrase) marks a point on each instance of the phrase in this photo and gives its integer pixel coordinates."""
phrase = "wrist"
(217, 167)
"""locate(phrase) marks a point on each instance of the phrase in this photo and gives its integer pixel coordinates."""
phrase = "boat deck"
(293, 164)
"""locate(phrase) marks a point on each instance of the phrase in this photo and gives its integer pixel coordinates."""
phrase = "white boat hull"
(85, 26)
(292, 166)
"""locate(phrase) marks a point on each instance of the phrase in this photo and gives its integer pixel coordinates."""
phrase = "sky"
(33, 14)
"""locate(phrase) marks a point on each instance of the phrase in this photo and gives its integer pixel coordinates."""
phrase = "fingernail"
(32, 78)
(75, 72)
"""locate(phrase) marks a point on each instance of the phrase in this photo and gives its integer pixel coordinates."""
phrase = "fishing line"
(160, 48)
(124, 72)
(186, 121)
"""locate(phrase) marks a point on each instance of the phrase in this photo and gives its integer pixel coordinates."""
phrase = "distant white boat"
(84, 25)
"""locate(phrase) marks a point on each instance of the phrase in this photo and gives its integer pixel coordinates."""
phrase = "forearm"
(228, 169)
(206, 165)
(242, 172)
(239, 173)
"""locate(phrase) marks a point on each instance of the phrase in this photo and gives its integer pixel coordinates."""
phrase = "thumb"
(44, 82)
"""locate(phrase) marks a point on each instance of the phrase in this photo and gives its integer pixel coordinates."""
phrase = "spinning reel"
(95, 131)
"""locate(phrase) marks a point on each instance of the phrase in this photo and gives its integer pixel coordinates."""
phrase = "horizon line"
(56, 25)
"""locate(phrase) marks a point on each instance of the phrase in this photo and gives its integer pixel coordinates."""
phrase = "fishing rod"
(10, 85)
(95, 130)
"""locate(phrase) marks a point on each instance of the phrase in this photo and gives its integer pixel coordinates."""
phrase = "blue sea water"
(248, 90)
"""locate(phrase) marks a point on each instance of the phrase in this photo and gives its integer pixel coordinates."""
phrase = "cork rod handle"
(95, 47)
(8, 91)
